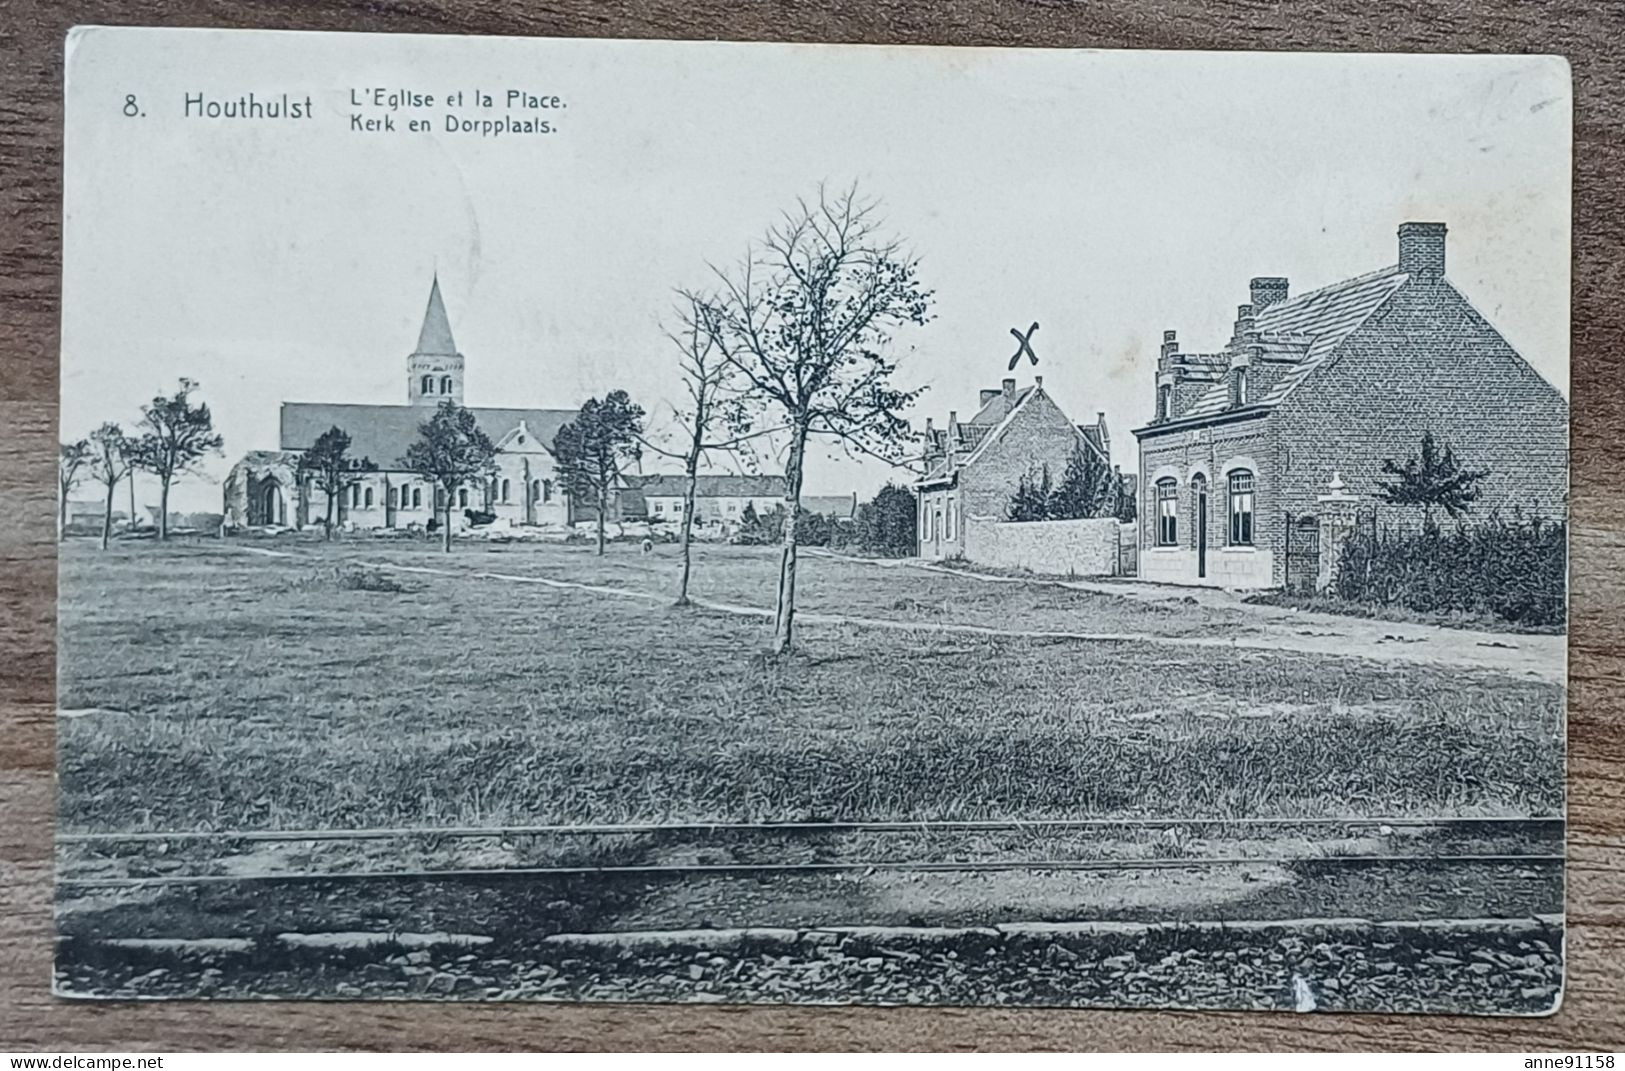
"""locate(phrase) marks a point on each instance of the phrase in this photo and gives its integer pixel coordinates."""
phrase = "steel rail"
(784, 868)
(634, 828)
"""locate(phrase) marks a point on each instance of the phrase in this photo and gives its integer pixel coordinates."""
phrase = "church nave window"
(417, 498)
(462, 498)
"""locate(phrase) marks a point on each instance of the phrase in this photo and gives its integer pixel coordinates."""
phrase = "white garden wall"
(1053, 548)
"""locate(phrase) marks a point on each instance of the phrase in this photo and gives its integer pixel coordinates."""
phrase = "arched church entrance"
(266, 504)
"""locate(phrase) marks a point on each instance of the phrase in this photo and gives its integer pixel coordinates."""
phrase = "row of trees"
(173, 437)
(885, 526)
(1089, 488)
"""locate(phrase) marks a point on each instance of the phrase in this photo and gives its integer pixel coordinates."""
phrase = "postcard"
(655, 521)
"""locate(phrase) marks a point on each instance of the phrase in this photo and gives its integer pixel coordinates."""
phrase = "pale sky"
(1107, 195)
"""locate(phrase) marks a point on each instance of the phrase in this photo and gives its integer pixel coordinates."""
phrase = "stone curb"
(871, 938)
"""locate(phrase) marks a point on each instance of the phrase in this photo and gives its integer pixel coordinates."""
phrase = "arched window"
(547, 490)
(1167, 513)
(427, 387)
(417, 498)
(950, 516)
(355, 495)
(445, 384)
(536, 490)
(393, 498)
(506, 490)
(1241, 508)
(366, 498)
(462, 498)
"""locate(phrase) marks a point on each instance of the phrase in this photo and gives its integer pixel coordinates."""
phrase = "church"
(264, 489)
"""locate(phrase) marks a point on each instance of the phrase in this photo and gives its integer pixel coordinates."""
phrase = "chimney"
(1169, 344)
(1267, 290)
(1246, 325)
(1009, 388)
(1038, 381)
(1421, 249)
(988, 396)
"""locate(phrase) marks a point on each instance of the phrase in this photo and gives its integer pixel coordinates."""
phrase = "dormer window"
(1238, 387)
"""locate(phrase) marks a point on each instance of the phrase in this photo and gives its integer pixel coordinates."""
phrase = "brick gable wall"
(1038, 434)
(1427, 361)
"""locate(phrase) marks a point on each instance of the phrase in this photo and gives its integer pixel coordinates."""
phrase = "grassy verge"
(272, 693)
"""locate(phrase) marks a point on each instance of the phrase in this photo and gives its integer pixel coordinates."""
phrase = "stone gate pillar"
(1337, 519)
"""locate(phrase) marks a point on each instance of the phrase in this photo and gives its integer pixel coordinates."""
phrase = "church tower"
(434, 371)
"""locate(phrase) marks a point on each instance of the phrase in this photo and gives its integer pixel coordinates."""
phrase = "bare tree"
(109, 463)
(71, 460)
(715, 419)
(807, 319)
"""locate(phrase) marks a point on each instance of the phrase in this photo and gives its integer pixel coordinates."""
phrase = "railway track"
(755, 911)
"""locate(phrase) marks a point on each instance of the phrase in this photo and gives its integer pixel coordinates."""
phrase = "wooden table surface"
(1591, 35)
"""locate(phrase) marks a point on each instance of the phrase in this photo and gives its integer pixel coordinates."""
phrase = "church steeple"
(435, 337)
(434, 371)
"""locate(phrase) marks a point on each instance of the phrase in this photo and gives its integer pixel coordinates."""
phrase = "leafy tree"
(593, 450)
(71, 460)
(1034, 491)
(1125, 490)
(329, 464)
(1431, 478)
(1088, 488)
(109, 463)
(888, 523)
(808, 318)
(451, 451)
(177, 436)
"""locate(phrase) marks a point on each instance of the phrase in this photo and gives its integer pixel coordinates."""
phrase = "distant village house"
(973, 467)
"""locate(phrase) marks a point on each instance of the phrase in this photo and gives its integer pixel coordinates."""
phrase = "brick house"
(972, 467)
(1335, 381)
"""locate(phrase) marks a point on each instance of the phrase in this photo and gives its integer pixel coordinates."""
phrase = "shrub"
(886, 525)
(1515, 570)
(760, 530)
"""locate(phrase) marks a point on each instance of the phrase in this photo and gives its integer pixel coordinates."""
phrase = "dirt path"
(1538, 656)
(1285, 630)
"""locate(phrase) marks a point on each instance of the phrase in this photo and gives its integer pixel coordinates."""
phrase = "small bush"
(363, 578)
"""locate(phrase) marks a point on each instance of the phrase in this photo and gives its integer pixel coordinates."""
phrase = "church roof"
(435, 335)
(382, 433)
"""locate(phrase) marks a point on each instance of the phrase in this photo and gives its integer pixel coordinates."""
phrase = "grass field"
(228, 690)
